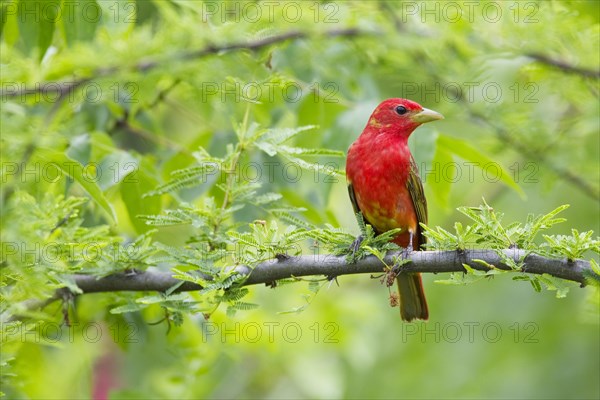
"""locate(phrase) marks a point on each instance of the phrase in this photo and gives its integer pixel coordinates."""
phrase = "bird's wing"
(355, 205)
(417, 195)
(353, 198)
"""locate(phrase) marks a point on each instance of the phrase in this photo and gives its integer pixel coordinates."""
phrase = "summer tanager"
(384, 184)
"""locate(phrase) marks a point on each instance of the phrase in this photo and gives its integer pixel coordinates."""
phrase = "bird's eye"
(401, 110)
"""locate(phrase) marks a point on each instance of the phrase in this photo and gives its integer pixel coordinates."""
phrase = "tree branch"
(64, 88)
(526, 150)
(332, 266)
(566, 174)
(565, 67)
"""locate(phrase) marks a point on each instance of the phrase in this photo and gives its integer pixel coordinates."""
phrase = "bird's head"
(400, 116)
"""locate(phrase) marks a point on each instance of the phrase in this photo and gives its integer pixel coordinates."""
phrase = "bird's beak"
(426, 115)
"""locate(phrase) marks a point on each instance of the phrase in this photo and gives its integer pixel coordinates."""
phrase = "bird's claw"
(355, 246)
(406, 252)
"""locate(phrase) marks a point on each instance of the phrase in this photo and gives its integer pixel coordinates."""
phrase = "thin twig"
(541, 156)
(66, 87)
(564, 66)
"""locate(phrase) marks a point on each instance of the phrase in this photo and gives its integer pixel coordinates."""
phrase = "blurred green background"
(517, 81)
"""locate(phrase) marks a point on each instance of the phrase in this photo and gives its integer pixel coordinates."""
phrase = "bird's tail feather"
(412, 297)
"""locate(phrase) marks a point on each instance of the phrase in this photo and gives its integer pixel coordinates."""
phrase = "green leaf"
(115, 167)
(536, 284)
(75, 170)
(561, 286)
(37, 19)
(440, 186)
(132, 307)
(240, 305)
(467, 151)
(278, 136)
(593, 277)
(132, 188)
(311, 152)
(82, 18)
(266, 198)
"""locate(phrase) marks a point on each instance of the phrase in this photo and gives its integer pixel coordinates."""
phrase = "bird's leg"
(355, 246)
(404, 255)
(408, 249)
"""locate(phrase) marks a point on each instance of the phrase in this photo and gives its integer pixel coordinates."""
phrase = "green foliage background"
(152, 102)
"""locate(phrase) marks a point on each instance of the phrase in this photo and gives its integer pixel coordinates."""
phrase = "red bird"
(384, 184)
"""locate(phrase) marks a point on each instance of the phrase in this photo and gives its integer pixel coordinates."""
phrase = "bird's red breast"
(378, 168)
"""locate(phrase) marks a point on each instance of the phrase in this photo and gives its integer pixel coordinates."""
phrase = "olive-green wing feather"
(417, 194)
